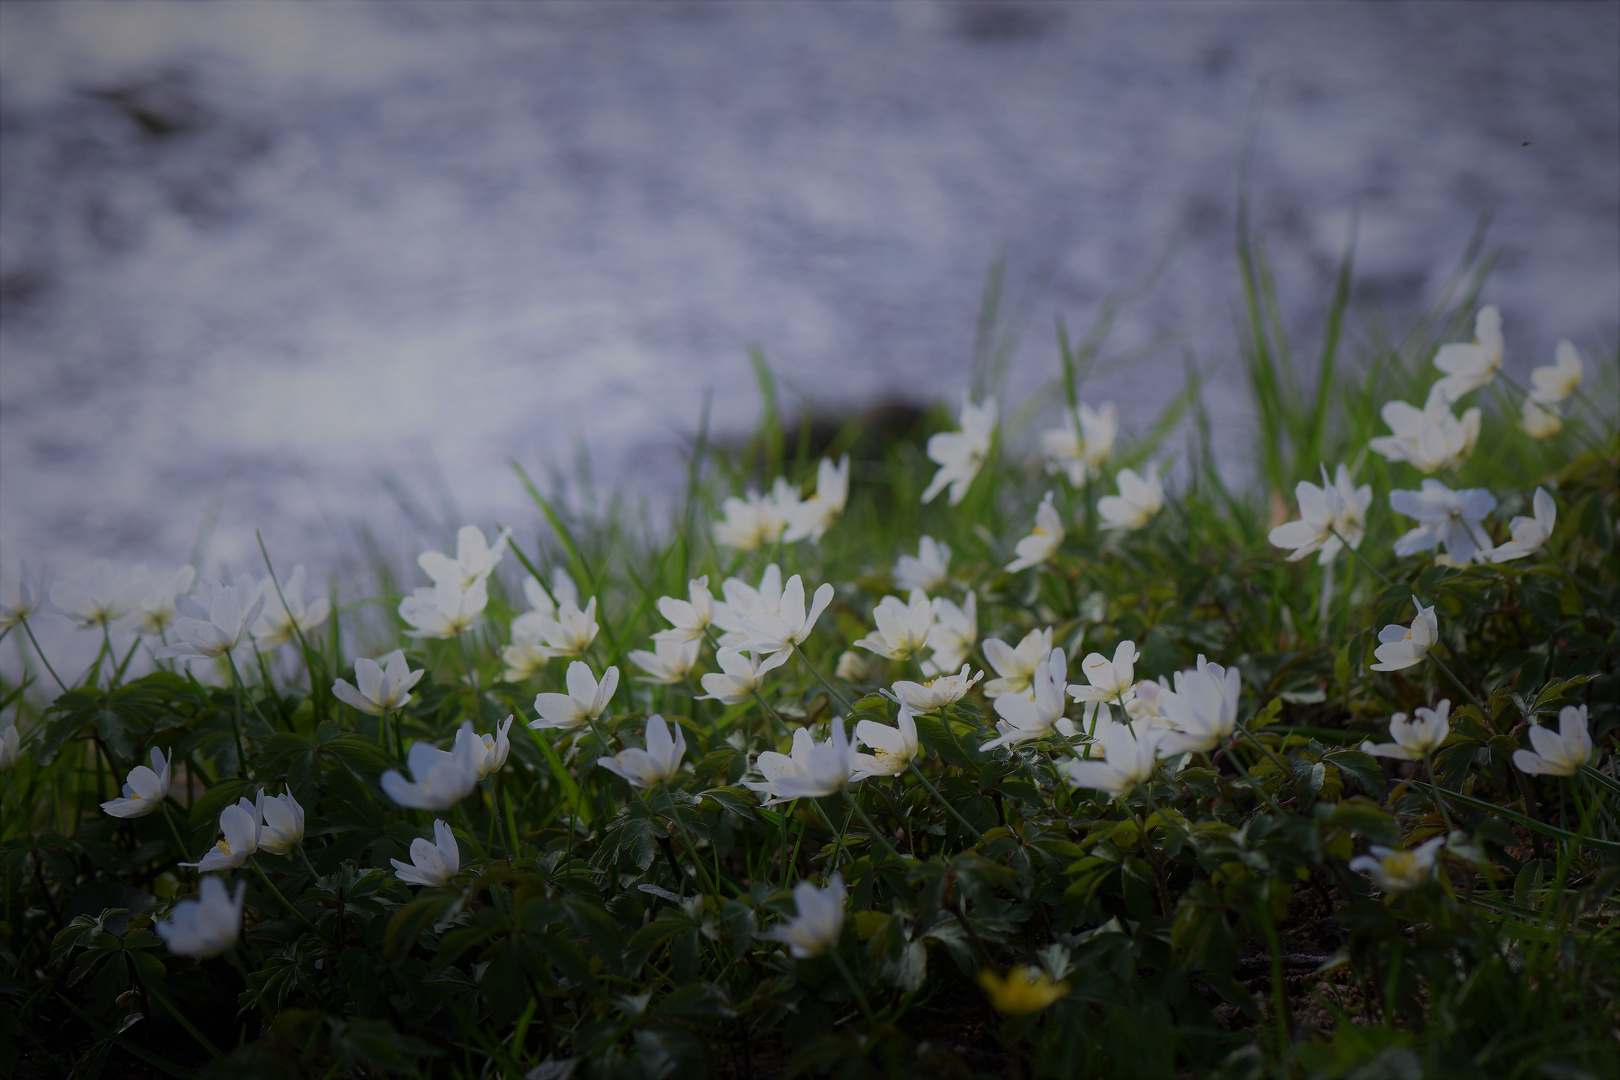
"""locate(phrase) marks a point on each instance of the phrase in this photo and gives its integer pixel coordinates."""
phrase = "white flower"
(1139, 498)
(657, 764)
(1538, 421)
(30, 598)
(1025, 718)
(1337, 507)
(1402, 647)
(896, 746)
(853, 667)
(743, 601)
(445, 609)
(690, 619)
(571, 632)
(813, 517)
(902, 628)
(1111, 680)
(1129, 758)
(1146, 701)
(443, 777)
(1016, 666)
(754, 521)
(280, 622)
(382, 688)
(475, 559)
(144, 789)
(432, 864)
(488, 751)
(775, 767)
(1430, 438)
(740, 675)
(828, 766)
(1469, 366)
(960, 454)
(527, 654)
(819, 922)
(1553, 384)
(1529, 533)
(103, 597)
(1448, 517)
(1203, 708)
(791, 625)
(1080, 453)
(10, 748)
(1043, 542)
(1396, 871)
(935, 694)
(206, 926)
(928, 571)
(283, 824)
(584, 702)
(670, 662)
(242, 826)
(215, 621)
(157, 609)
(1417, 738)
(953, 634)
(1562, 754)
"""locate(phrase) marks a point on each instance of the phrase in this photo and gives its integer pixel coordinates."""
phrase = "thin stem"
(257, 869)
(832, 692)
(1434, 790)
(838, 837)
(236, 717)
(41, 654)
(174, 830)
(1258, 788)
(966, 824)
(1362, 558)
(1460, 684)
(872, 829)
(854, 987)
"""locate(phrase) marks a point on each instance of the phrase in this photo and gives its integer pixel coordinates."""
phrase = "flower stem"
(257, 869)
(932, 790)
(236, 717)
(872, 829)
(854, 987)
(174, 830)
(838, 837)
(832, 692)
(41, 654)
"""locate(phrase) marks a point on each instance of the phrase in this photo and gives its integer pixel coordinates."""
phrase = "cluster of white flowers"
(460, 589)
(755, 521)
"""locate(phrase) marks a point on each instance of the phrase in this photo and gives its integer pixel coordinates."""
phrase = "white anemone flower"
(1146, 702)
(281, 623)
(812, 518)
(1552, 384)
(10, 748)
(1043, 542)
(1401, 647)
(242, 826)
(902, 627)
(828, 766)
(1471, 365)
(1110, 680)
(1016, 666)
(1129, 758)
(854, 667)
(527, 655)
(206, 926)
(740, 675)
(960, 454)
(1025, 718)
(1417, 738)
(655, 765)
(1560, 754)
(144, 789)
(743, 601)
(928, 571)
(475, 558)
(953, 635)
(442, 777)
(30, 598)
(1430, 438)
(215, 621)
(1339, 507)
(432, 863)
(669, 662)
(1139, 499)
(104, 595)
(1202, 709)
(283, 824)
(1539, 421)
(445, 609)
(585, 701)
(933, 695)
(1396, 871)
(896, 746)
(383, 685)
(791, 625)
(1450, 518)
(488, 752)
(1080, 453)
(572, 631)
(775, 767)
(819, 922)
(689, 619)
(756, 520)
(157, 610)
(1529, 533)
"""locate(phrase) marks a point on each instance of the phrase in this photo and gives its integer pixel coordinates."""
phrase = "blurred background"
(268, 265)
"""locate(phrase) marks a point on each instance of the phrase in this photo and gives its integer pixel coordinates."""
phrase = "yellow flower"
(1024, 990)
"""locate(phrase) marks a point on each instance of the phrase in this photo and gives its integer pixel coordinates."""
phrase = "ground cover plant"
(953, 746)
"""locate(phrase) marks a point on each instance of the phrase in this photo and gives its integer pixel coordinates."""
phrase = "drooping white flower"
(30, 598)
(487, 751)
(935, 694)
(690, 619)
(445, 609)
(526, 656)
(1043, 542)
(1430, 438)
(214, 621)
(1451, 518)
(755, 520)
(283, 824)
(281, 623)
(10, 748)
(820, 920)
(828, 766)
(1016, 667)
(1539, 421)
(1417, 738)
(157, 609)
(1401, 646)
(953, 635)
(432, 864)
(743, 601)
(104, 595)
(1139, 499)
(791, 625)
(740, 675)
(1529, 533)
(960, 454)
(1129, 758)
(813, 517)
(1110, 680)
(1554, 383)
(896, 746)
(1471, 365)
(854, 667)
(670, 662)
(902, 628)
(383, 686)
(242, 826)
(1203, 709)
(584, 702)
(1339, 507)
(775, 767)
(1397, 871)
(657, 764)
(475, 558)
(1560, 754)
(1025, 718)
(144, 789)
(206, 926)
(1080, 453)
(442, 777)
(928, 571)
